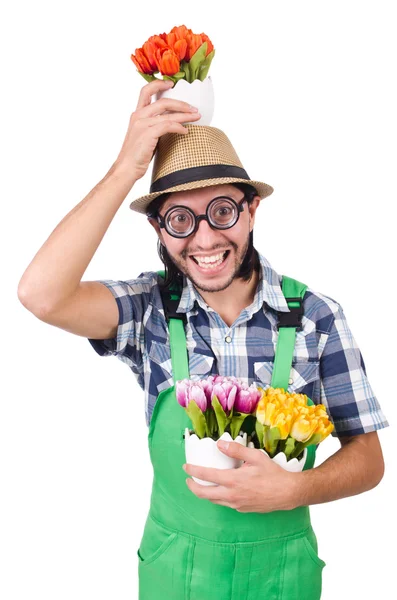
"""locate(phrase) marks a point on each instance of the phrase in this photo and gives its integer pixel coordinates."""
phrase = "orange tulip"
(181, 32)
(164, 52)
(177, 40)
(167, 61)
(141, 62)
(150, 47)
(194, 41)
(179, 46)
(210, 45)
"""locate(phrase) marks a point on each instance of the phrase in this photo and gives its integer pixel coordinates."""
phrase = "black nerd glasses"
(180, 221)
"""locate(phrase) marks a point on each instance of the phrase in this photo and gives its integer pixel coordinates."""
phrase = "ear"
(252, 210)
(154, 223)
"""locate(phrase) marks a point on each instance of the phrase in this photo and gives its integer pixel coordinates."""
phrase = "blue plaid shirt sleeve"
(133, 299)
(345, 389)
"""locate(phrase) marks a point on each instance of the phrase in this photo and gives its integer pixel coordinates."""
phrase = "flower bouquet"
(183, 57)
(286, 425)
(219, 408)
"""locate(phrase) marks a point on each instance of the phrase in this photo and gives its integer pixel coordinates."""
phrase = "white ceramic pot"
(205, 453)
(198, 93)
(294, 465)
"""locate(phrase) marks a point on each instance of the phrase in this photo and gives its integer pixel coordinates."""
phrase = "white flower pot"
(294, 465)
(205, 453)
(198, 93)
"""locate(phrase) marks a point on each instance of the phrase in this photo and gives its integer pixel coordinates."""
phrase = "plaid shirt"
(327, 364)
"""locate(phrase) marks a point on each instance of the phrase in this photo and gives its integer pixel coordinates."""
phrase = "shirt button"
(290, 381)
(228, 339)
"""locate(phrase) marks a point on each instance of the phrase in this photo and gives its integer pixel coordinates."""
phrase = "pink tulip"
(207, 386)
(226, 394)
(247, 399)
(182, 388)
(197, 394)
(229, 379)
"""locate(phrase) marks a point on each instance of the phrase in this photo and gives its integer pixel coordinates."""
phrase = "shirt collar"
(268, 290)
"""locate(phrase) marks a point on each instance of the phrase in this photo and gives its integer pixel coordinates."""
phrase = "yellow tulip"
(260, 410)
(324, 428)
(265, 414)
(302, 429)
(292, 415)
(320, 411)
(283, 422)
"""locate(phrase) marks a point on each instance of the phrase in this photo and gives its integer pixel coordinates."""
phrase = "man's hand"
(259, 485)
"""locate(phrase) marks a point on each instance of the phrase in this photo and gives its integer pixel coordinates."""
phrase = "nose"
(205, 235)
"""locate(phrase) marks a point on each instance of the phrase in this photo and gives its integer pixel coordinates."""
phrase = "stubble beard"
(214, 286)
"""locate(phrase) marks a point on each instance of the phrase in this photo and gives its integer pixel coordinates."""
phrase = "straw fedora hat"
(200, 158)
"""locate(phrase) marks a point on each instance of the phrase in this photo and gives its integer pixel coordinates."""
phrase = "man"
(252, 531)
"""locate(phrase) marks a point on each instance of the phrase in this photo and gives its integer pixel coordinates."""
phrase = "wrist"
(297, 485)
(123, 173)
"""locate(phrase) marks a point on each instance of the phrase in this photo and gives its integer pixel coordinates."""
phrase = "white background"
(306, 93)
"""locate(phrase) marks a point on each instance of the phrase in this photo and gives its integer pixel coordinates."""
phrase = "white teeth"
(209, 259)
(210, 262)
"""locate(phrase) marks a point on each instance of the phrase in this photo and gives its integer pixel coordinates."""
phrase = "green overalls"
(193, 549)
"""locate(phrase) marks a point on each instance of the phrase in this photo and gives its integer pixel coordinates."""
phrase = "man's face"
(225, 248)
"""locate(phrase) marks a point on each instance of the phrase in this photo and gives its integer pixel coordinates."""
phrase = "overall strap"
(289, 323)
(176, 326)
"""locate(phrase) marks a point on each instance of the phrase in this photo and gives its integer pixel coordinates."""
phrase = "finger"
(167, 126)
(215, 493)
(178, 117)
(148, 90)
(236, 450)
(223, 503)
(219, 476)
(166, 104)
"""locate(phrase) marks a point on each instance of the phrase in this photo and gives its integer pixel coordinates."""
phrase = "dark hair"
(172, 273)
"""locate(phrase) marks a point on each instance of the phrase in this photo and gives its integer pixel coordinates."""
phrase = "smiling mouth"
(211, 261)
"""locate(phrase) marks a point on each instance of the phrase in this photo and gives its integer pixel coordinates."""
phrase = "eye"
(180, 220)
(224, 211)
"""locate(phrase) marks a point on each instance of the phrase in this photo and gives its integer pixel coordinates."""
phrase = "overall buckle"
(170, 304)
(292, 318)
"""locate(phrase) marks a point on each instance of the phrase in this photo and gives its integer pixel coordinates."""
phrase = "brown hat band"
(197, 174)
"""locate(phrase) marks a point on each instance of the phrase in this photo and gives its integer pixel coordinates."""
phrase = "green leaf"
(300, 446)
(297, 450)
(272, 436)
(220, 414)
(175, 78)
(204, 67)
(197, 59)
(212, 425)
(197, 418)
(236, 423)
(289, 446)
(315, 439)
(260, 432)
(185, 68)
(147, 77)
